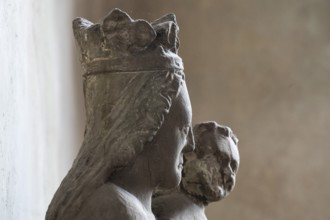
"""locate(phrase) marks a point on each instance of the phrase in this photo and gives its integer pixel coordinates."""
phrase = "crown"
(121, 44)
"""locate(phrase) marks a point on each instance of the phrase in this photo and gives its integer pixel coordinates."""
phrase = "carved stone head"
(210, 175)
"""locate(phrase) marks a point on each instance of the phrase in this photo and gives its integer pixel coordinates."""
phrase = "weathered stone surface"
(208, 175)
(138, 114)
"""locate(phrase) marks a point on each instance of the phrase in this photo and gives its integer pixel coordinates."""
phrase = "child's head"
(210, 176)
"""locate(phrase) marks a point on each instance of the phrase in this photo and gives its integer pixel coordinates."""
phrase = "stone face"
(208, 175)
(138, 114)
(211, 176)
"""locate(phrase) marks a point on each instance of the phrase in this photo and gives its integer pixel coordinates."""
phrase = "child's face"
(215, 171)
(228, 163)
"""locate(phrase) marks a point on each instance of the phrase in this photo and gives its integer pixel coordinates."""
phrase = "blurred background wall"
(261, 67)
(39, 127)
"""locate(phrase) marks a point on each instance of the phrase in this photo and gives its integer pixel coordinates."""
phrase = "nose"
(190, 145)
(229, 182)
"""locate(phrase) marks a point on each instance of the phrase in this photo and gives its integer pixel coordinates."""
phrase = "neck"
(137, 181)
(199, 201)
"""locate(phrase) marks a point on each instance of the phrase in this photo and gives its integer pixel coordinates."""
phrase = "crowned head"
(132, 76)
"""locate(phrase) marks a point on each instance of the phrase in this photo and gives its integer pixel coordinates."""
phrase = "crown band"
(168, 61)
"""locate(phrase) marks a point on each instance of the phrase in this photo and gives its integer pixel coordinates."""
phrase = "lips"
(229, 182)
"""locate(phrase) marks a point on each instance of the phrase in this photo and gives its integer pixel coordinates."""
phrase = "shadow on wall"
(261, 68)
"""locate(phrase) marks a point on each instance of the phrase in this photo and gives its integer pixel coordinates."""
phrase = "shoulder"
(176, 206)
(111, 202)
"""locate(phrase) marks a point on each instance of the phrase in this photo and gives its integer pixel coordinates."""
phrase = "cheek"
(213, 165)
(172, 151)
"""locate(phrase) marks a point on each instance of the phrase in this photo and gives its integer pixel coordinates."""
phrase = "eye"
(186, 129)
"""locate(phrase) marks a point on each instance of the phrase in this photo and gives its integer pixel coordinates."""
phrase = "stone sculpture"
(138, 119)
(208, 175)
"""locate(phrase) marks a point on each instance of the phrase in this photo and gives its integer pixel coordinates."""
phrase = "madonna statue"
(138, 120)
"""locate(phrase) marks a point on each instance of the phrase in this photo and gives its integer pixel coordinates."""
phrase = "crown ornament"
(121, 44)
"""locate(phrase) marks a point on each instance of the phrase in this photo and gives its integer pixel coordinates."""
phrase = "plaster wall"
(38, 124)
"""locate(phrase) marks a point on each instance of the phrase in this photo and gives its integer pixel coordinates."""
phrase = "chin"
(216, 194)
(223, 194)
